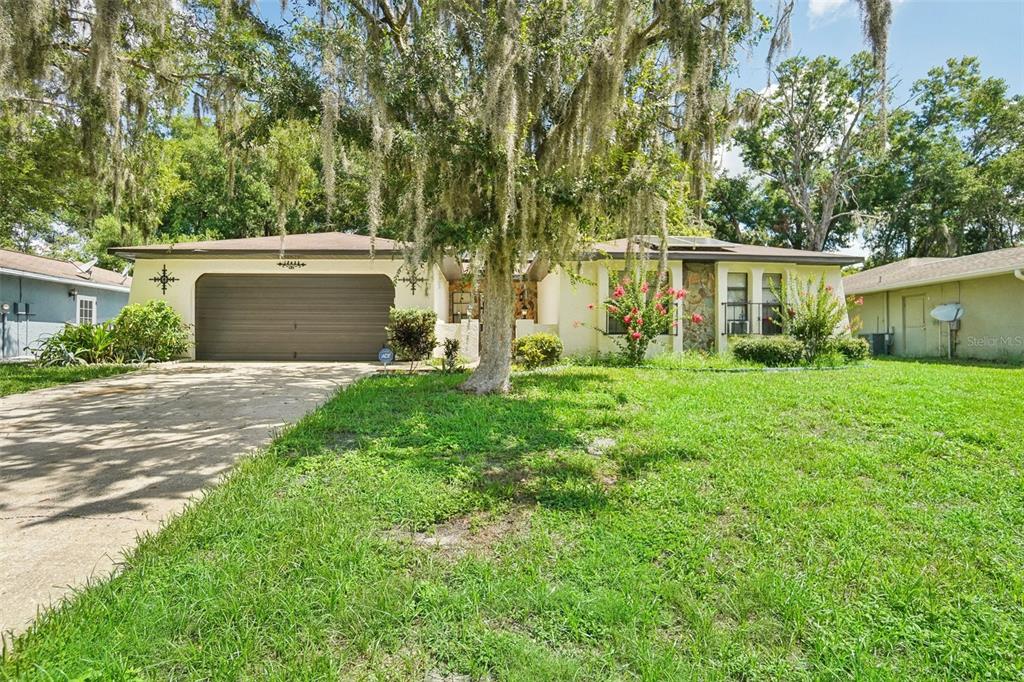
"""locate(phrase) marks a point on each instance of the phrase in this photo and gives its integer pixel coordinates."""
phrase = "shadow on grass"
(528, 447)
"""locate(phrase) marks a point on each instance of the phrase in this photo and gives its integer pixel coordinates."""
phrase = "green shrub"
(771, 351)
(148, 332)
(829, 358)
(450, 360)
(535, 350)
(77, 344)
(411, 333)
(853, 349)
(811, 314)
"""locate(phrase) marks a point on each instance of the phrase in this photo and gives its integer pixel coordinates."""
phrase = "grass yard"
(20, 377)
(597, 524)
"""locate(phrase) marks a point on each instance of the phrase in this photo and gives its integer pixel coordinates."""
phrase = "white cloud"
(824, 11)
(729, 162)
(818, 9)
(857, 248)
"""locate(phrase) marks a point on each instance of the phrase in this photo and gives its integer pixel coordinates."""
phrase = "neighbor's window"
(86, 310)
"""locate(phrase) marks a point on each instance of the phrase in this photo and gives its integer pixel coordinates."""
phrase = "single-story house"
(899, 299)
(323, 297)
(38, 296)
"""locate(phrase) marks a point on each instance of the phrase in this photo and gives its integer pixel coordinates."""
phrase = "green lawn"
(861, 523)
(21, 377)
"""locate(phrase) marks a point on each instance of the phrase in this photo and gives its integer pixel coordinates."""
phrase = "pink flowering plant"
(644, 311)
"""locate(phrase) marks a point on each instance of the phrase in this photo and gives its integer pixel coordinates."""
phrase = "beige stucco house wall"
(992, 327)
(899, 297)
(431, 294)
(564, 300)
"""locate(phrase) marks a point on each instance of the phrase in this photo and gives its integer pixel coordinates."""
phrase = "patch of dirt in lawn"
(437, 676)
(342, 441)
(733, 522)
(600, 446)
(476, 534)
(407, 663)
(497, 475)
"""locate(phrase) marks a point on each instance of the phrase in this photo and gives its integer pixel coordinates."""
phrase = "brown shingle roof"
(51, 267)
(727, 251)
(920, 271)
(344, 243)
(317, 243)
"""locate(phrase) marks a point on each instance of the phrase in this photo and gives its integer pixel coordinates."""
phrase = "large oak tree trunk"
(495, 369)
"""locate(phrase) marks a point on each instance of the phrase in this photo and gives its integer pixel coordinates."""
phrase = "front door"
(914, 326)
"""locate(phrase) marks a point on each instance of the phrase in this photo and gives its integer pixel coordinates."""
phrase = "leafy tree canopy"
(953, 180)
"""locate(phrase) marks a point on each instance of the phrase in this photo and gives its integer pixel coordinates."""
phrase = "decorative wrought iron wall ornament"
(163, 279)
(290, 264)
(411, 277)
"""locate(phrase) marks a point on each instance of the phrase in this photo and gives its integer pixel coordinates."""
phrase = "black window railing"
(745, 318)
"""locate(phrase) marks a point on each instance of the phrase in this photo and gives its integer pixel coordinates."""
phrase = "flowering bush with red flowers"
(645, 312)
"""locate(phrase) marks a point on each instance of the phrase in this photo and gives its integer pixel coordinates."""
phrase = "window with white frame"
(85, 310)
(736, 296)
(771, 286)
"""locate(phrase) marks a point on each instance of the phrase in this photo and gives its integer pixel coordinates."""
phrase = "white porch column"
(755, 297)
(676, 282)
(721, 296)
(602, 295)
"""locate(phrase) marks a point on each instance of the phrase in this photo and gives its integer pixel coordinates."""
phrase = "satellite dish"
(85, 268)
(948, 312)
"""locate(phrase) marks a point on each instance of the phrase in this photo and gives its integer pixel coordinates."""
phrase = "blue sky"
(924, 34)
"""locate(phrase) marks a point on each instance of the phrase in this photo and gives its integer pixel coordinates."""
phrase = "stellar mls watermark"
(993, 341)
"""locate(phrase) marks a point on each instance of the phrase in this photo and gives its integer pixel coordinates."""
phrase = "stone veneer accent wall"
(699, 282)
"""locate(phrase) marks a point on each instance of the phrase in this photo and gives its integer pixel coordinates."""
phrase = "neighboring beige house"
(900, 297)
(322, 297)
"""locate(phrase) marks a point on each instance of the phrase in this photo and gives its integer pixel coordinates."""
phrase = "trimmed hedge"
(854, 350)
(539, 349)
(411, 333)
(771, 351)
(151, 331)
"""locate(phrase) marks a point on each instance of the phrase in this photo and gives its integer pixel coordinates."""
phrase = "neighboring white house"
(38, 296)
(323, 297)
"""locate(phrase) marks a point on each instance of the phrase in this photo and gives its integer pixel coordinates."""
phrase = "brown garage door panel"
(291, 317)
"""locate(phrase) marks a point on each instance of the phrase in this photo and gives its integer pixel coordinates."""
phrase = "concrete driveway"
(86, 467)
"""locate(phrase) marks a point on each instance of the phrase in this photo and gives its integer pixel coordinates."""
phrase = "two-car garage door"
(291, 316)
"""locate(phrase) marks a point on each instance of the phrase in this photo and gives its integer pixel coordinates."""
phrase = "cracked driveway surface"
(85, 468)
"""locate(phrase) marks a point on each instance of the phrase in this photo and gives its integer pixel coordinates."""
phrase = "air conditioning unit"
(739, 327)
